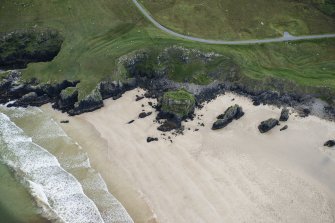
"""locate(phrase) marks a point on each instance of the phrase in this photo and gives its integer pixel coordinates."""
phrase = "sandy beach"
(231, 175)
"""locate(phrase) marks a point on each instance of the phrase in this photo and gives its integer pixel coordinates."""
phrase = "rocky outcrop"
(179, 103)
(330, 143)
(13, 88)
(31, 99)
(284, 115)
(233, 112)
(67, 99)
(21, 47)
(114, 89)
(174, 107)
(267, 125)
(91, 102)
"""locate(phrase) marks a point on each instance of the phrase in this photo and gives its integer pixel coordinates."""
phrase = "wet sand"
(231, 175)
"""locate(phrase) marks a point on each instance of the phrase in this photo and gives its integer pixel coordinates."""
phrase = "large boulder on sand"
(233, 112)
(284, 115)
(267, 125)
(180, 103)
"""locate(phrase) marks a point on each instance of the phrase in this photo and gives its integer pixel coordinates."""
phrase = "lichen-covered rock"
(91, 102)
(267, 125)
(233, 112)
(180, 103)
(284, 115)
(67, 98)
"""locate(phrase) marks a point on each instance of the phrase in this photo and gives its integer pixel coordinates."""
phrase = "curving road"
(286, 37)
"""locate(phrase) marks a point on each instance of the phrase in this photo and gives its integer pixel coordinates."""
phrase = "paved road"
(286, 37)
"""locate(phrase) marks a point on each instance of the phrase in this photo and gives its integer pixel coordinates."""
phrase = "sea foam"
(53, 186)
(39, 128)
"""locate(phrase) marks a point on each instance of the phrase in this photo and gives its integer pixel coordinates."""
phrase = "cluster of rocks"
(12, 88)
(64, 95)
(269, 124)
(232, 113)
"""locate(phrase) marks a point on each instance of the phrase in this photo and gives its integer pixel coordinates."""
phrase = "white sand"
(231, 175)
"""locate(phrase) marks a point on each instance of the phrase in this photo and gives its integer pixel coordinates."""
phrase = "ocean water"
(53, 172)
(16, 204)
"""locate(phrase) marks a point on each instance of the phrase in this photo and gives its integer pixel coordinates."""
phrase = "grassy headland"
(97, 33)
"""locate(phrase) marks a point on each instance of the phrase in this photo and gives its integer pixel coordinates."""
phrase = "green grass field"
(99, 32)
(244, 19)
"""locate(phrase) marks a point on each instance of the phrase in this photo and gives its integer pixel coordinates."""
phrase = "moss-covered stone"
(90, 103)
(180, 103)
(67, 98)
(68, 92)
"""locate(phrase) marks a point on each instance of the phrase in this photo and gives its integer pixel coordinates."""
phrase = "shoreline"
(138, 174)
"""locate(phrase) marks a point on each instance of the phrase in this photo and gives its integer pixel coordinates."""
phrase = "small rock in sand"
(131, 121)
(144, 114)
(151, 139)
(284, 128)
(330, 143)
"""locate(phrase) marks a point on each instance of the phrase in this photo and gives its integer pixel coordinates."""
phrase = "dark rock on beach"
(330, 143)
(284, 115)
(65, 121)
(144, 114)
(267, 125)
(151, 139)
(284, 128)
(233, 112)
(138, 98)
(131, 121)
(170, 125)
